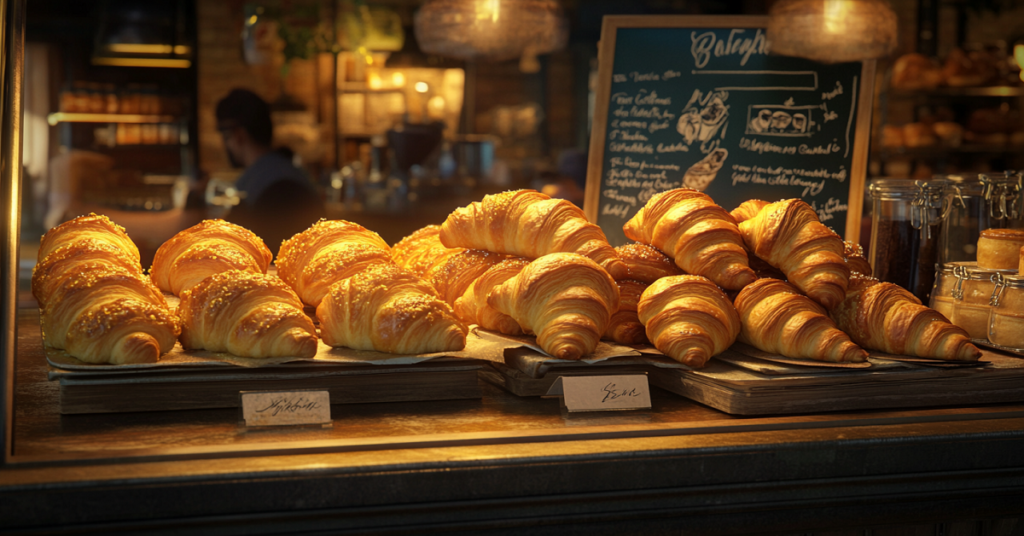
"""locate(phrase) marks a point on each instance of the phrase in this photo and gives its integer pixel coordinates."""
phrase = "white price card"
(285, 408)
(603, 393)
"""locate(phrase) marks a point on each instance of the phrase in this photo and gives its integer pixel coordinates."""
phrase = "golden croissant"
(699, 235)
(454, 276)
(81, 228)
(688, 318)
(747, 209)
(624, 326)
(72, 258)
(389, 309)
(109, 317)
(645, 263)
(207, 248)
(788, 236)
(472, 307)
(565, 299)
(855, 260)
(422, 250)
(529, 224)
(246, 314)
(313, 248)
(775, 317)
(885, 317)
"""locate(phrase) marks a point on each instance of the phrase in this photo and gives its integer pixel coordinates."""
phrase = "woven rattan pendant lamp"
(832, 31)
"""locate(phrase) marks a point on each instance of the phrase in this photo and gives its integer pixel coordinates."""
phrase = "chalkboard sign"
(698, 102)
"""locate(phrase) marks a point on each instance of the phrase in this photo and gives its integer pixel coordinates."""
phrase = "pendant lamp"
(832, 31)
(494, 30)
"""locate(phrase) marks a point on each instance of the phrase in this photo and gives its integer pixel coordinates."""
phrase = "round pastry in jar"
(941, 298)
(972, 294)
(1006, 320)
(999, 249)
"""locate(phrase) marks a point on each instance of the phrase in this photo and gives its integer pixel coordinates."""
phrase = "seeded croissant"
(328, 252)
(246, 314)
(472, 306)
(208, 248)
(422, 250)
(82, 228)
(389, 309)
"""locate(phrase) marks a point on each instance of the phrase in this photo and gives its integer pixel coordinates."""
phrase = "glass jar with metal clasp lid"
(973, 203)
(941, 298)
(972, 295)
(904, 220)
(1006, 319)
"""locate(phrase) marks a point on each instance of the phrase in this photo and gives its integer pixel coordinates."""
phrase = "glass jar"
(942, 293)
(972, 295)
(1006, 320)
(973, 203)
(904, 219)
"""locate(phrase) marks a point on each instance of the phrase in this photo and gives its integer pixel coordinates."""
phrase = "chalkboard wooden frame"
(606, 62)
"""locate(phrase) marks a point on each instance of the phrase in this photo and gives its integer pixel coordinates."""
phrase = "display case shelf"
(984, 91)
(79, 117)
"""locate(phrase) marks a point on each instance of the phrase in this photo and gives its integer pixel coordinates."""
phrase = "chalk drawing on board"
(704, 117)
(700, 175)
(781, 120)
(769, 80)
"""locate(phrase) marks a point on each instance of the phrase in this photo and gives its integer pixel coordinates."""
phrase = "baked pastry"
(885, 317)
(699, 235)
(916, 71)
(422, 250)
(565, 299)
(949, 133)
(892, 136)
(210, 247)
(86, 227)
(688, 318)
(747, 209)
(624, 326)
(389, 309)
(855, 260)
(998, 249)
(918, 135)
(109, 317)
(776, 318)
(964, 70)
(645, 263)
(75, 257)
(529, 224)
(322, 255)
(472, 306)
(788, 235)
(246, 314)
(453, 277)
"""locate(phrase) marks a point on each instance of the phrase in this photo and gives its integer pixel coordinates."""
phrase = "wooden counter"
(503, 465)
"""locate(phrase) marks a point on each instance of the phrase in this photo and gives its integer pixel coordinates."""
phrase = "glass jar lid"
(969, 271)
(1003, 282)
(1003, 194)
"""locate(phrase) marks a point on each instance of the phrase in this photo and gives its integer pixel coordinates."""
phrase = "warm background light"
(832, 31)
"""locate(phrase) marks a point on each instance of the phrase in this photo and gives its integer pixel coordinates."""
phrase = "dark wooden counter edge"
(716, 483)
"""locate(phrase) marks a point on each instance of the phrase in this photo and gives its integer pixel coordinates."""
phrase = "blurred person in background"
(277, 199)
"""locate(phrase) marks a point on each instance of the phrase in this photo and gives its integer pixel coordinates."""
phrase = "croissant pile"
(96, 303)
(697, 279)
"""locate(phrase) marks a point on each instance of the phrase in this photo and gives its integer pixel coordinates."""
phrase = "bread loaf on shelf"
(328, 252)
(529, 224)
(389, 309)
(788, 235)
(776, 318)
(472, 306)
(566, 299)
(210, 247)
(699, 235)
(246, 314)
(885, 317)
(688, 318)
(422, 250)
